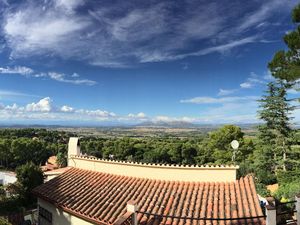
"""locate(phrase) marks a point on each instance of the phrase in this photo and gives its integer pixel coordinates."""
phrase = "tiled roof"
(101, 198)
(57, 171)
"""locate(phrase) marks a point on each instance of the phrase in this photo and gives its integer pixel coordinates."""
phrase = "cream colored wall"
(50, 177)
(171, 173)
(73, 147)
(59, 217)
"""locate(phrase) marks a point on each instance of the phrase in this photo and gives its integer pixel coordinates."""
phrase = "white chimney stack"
(73, 148)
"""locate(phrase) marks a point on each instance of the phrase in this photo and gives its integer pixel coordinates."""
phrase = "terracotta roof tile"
(101, 198)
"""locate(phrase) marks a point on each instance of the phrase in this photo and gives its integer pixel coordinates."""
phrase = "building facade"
(96, 191)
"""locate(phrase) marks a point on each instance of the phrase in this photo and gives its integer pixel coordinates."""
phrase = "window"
(45, 217)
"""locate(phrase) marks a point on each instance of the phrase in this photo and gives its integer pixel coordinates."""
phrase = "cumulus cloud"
(46, 110)
(104, 35)
(66, 108)
(44, 105)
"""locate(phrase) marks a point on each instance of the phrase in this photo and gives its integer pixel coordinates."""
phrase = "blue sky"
(102, 62)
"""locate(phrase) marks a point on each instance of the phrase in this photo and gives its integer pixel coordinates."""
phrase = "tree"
(217, 148)
(29, 176)
(285, 65)
(274, 134)
(4, 222)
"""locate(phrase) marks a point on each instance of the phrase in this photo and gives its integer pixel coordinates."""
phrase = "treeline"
(254, 155)
(19, 146)
(211, 149)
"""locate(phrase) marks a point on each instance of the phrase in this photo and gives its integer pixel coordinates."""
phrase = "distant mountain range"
(182, 124)
(149, 124)
(173, 124)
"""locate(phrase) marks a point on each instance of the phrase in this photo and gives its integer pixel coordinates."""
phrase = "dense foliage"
(211, 149)
(276, 136)
(19, 146)
(29, 176)
(285, 64)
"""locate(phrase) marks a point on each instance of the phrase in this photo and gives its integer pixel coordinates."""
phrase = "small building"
(96, 191)
(7, 177)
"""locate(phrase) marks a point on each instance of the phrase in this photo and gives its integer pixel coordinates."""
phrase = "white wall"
(60, 217)
(7, 177)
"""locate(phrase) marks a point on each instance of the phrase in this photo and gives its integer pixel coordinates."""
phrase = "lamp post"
(235, 145)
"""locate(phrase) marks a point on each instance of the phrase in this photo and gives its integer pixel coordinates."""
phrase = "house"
(7, 177)
(95, 191)
(51, 164)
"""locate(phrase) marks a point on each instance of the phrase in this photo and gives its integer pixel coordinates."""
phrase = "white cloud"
(211, 100)
(169, 119)
(140, 115)
(61, 77)
(109, 36)
(236, 110)
(158, 56)
(22, 70)
(257, 17)
(34, 29)
(45, 110)
(69, 5)
(66, 108)
(246, 85)
(254, 80)
(292, 91)
(44, 105)
(14, 107)
(268, 76)
(223, 92)
(5, 94)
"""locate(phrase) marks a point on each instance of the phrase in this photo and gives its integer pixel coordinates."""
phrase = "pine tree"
(274, 134)
(285, 65)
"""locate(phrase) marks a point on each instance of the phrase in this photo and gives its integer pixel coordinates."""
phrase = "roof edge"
(161, 165)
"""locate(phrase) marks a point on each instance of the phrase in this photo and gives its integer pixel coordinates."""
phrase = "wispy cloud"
(109, 36)
(254, 80)
(219, 49)
(259, 16)
(211, 100)
(22, 70)
(224, 92)
(61, 77)
(9, 95)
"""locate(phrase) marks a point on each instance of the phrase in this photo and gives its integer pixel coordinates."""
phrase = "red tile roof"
(101, 198)
(57, 171)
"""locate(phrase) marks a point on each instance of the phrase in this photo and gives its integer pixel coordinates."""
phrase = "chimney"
(73, 148)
